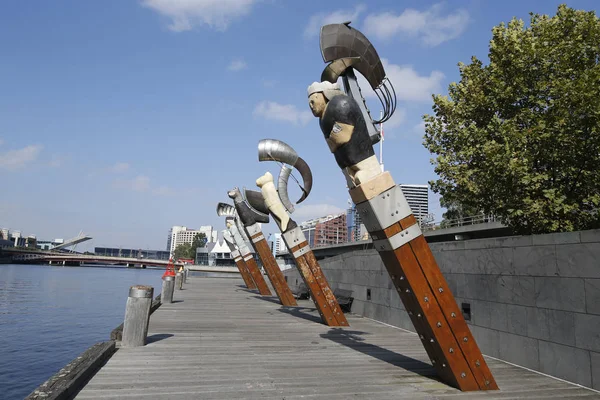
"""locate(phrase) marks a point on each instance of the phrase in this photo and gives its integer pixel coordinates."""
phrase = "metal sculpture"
(251, 217)
(321, 294)
(348, 130)
(241, 242)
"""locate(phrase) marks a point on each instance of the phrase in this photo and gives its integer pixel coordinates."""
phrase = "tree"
(199, 241)
(184, 250)
(520, 137)
(188, 250)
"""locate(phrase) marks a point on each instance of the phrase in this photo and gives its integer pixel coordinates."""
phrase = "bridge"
(74, 258)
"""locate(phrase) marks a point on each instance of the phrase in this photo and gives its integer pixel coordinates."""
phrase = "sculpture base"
(315, 280)
(271, 267)
(421, 285)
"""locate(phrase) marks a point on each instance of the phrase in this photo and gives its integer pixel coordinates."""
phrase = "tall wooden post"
(420, 284)
(241, 265)
(248, 258)
(137, 316)
(313, 277)
(271, 267)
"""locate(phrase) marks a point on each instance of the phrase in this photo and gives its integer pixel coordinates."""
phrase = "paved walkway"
(220, 341)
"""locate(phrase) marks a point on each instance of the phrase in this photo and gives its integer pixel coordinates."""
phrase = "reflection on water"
(49, 315)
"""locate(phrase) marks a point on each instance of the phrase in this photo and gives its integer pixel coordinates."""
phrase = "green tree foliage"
(199, 241)
(184, 250)
(188, 250)
(520, 137)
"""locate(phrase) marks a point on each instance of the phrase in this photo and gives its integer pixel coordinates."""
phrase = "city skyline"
(126, 118)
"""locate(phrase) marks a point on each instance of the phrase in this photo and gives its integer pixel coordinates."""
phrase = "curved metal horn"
(306, 174)
(282, 187)
(341, 41)
(224, 209)
(276, 150)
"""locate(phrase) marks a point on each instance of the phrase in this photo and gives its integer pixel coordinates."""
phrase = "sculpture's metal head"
(224, 209)
(346, 49)
(276, 150)
(235, 195)
(246, 212)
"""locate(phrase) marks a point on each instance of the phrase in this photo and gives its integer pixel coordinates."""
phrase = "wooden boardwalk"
(220, 341)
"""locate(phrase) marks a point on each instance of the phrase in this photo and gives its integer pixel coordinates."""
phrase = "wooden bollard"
(168, 287)
(179, 280)
(137, 316)
(185, 275)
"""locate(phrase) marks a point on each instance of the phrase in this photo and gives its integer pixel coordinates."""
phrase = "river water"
(49, 315)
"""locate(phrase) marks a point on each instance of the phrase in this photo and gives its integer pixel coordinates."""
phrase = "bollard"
(137, 316)
(179, 280)
(168, 287)
(185, 274)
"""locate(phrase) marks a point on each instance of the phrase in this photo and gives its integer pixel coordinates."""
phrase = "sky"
(122, 118)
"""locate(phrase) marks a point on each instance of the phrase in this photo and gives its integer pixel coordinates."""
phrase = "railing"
(464, 221)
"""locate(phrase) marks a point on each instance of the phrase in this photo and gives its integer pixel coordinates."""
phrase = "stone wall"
(534, 300)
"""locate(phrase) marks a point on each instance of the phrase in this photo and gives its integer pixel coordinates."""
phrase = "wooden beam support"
(261, 285)
(315, 280)
(241, 265)
(274, 273)
(421, 285)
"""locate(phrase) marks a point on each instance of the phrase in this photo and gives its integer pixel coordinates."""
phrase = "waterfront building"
(215, 254)
(132, 253)
(5, 234)
(181, 234)
(328, 230)
(417, 197)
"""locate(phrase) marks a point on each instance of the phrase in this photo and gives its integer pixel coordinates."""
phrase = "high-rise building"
(181, 234)
(418, 200)
(354, 223)
(277, 244)
(325, 231)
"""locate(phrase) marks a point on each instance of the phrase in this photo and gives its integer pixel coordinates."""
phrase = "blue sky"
(123, 118)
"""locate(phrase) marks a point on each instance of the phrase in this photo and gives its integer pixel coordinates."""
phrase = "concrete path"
(220, 341)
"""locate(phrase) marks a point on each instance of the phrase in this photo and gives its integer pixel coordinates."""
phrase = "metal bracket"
(235, 254)
(244, 250)
(253, 229)
(399, 239)
(248, 257)
(258, 238)
(294, 237)
(384, 210)
(301, 251)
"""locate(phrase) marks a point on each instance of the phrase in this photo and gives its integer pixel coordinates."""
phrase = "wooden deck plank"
(222, 341)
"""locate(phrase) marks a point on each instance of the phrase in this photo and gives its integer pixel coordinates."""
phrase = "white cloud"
(56, 161)
(237, 65)
(430, 26)
(409, 85)
(316, 21)
(186, 14)
(142, 184)
(119, 167)
(282, 112)
(311, 211)
(15, 159)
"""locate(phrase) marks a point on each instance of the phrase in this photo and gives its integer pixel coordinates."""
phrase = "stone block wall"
(534, 300)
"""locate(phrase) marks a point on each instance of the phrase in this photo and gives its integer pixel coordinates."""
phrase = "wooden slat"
(257, 276)
(274, 272)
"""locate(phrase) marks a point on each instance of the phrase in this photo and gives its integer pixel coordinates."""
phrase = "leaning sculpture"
(277, 202)
(350, 133)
